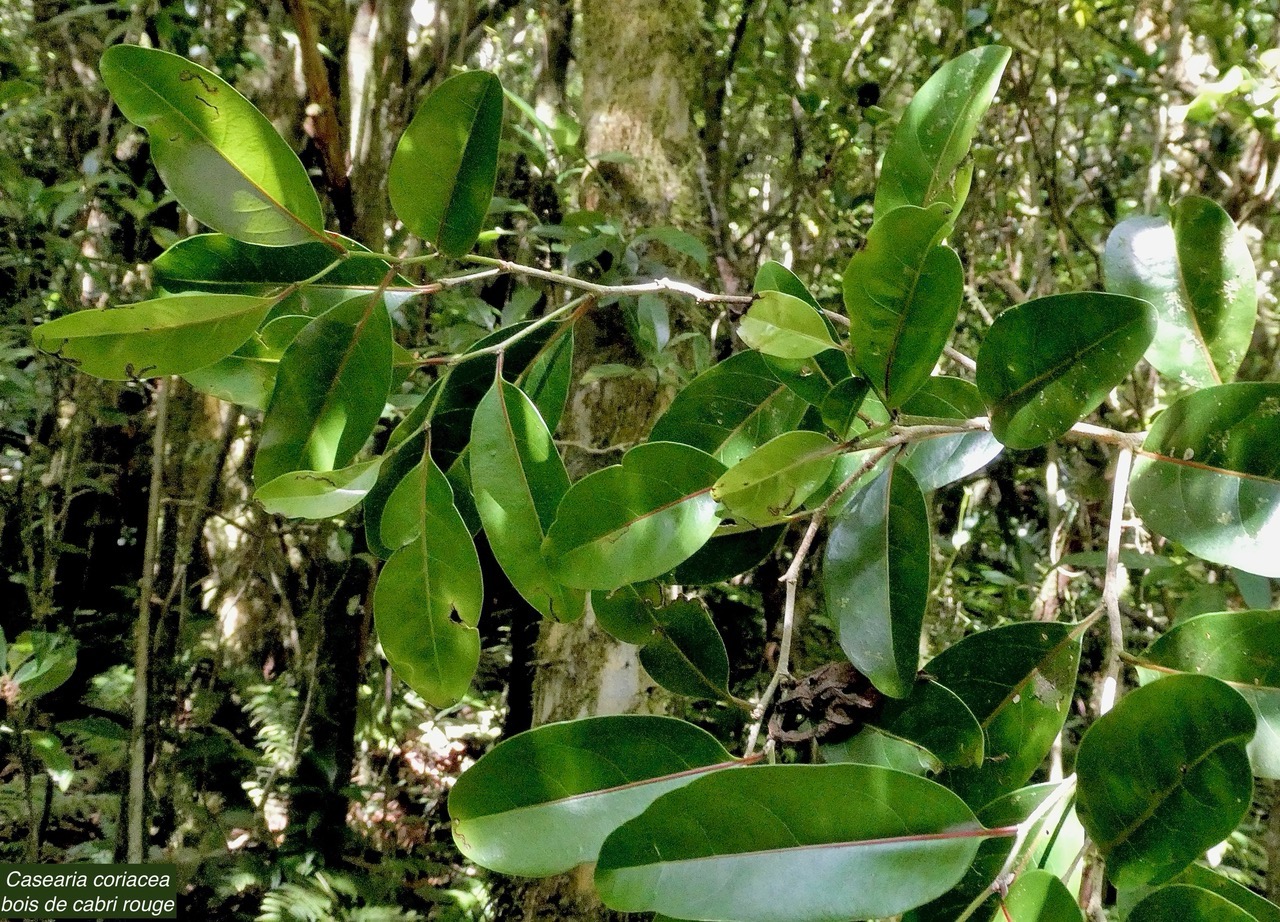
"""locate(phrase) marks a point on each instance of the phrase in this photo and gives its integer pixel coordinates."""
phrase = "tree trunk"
(639, 62)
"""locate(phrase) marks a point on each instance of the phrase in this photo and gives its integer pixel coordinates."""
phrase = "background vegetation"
(288, 771)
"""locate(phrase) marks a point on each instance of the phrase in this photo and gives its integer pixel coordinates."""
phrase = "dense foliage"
(413, 385)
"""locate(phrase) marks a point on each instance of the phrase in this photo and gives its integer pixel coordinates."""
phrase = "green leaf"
(680, 647)
(776, 478)
(1055, 841)
(1187, 904)
(876, 580)
(726, 555)
(331, 387)
(774, 276)
(543, 801)
(518, 480)
(219, 264)
(218, 154)
(318, 494)
(731, 409)
(1208, 476)
(1038, 896)
(902, 293)
(444, 169)
(936, 130)
(780, 325)
(1046, 363)
(1164, 776)
(1198, 876)
(397, 463)
(1198, 273)
(840, 407)
(151, 339)
(48, 749)
(40, 662)
(943, 459)
(718, 848)
(934, 717)
(464, 386)
(635, 520)
(1018, 681)
(548, 378)
(1242, 648)
(427, 601)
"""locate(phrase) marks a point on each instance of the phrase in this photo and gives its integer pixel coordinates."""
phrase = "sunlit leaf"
(942, 459)
(776, 478)
(318, 494)
(1046, 363)
(429, 594)
(444, 168)
(635, 520)
(543, 801)
(218, 154)
(902, 292)
(1197, 271)
(717, 849)
(935, 131)
(1208, 475)
(784, 326)
(151, 339)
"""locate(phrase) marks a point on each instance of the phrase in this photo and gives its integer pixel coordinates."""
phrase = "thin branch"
(135, 848)
(1111, 583)
(961, 359)
(657, 286)
(791, 578)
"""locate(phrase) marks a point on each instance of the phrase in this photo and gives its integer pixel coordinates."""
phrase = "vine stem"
(791, 579)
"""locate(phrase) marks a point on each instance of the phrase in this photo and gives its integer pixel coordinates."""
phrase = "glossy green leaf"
(635, 520)
(397, 464)
(443, 171)
(1242, 648)
(548, 378)
(935, 132)
(1197, 271)
(1164, 775)
(331, 387)
(1215, 452)
(1018, 680)
(1046, 363)
(151, 339)
(427, 602)
(784, 326)
(1197, 875)
(774, 276)
(718, 848)
(1055, 842)
(943, 459)
(218, 154)
(1038, 896)
(518, 480)
(627, 613)
(1187, 904)
(543, 801)
(725, 556)
(683, 652)
(776, 478)
(842, 404)
(220, 264)
(876, 580)
(902, 292)
(874, 746)
(935, 718)
(464, 386)
(318, 494)
(731, 409)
